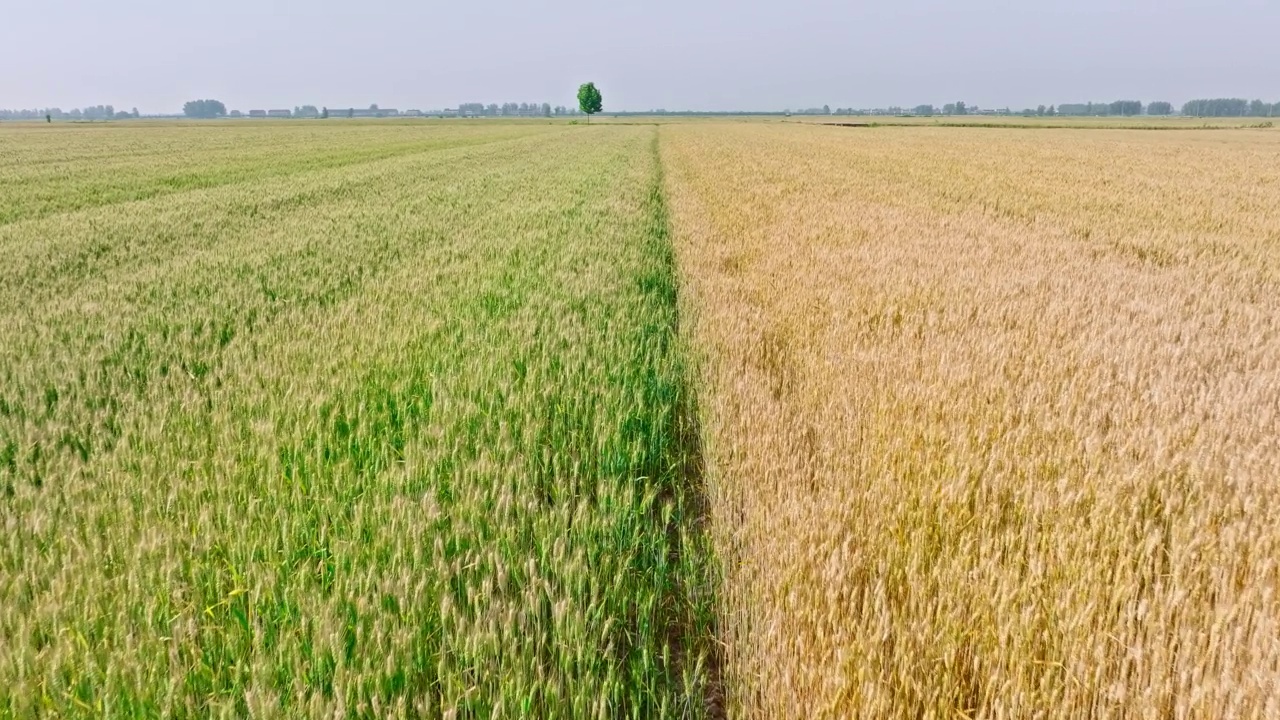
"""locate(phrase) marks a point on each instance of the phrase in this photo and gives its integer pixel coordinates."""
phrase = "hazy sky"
(674, 54)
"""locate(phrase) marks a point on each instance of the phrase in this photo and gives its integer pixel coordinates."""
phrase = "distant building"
(236, 113)
(257, 113)
(413, 113)
(279, 113)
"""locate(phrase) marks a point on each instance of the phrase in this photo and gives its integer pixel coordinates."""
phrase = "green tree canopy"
(589, 100)
(1125, 107)
(204, 109)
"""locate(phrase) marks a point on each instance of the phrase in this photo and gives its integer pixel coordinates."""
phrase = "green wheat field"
(350, 420)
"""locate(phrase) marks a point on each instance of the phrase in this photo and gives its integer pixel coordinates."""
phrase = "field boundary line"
(691, 537)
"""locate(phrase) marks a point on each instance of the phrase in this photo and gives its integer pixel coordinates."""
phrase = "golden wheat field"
(991, 417)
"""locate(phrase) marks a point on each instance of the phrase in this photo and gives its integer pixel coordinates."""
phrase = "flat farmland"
(991, 417)
(347, 420)
(703, 418)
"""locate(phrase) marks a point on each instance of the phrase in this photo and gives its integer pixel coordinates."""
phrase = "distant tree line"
(892, 110)
(1119, 107)
(1215, 107)
(511, 110)
(1223, 107)
(1126, 107)
(699, 113)
(1231, 107)
(93, 112)
(1219, 107)
(1102, 109)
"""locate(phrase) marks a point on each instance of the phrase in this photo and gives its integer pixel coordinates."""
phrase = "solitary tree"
(589, 100)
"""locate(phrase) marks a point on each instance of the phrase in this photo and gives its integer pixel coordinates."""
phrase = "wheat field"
(991, 417)
(343, 420)
(700, 419)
